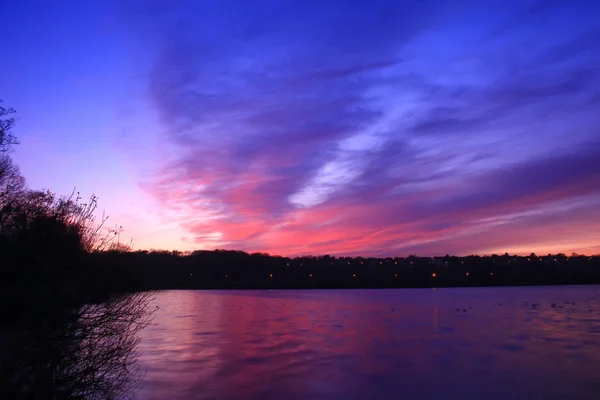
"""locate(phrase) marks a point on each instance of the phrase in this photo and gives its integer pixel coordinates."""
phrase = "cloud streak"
(376, 127)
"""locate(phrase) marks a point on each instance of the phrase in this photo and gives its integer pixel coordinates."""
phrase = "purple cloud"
(388, 110)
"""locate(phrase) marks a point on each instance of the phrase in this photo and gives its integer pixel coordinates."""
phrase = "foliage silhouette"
(7, 121)
(64, 334)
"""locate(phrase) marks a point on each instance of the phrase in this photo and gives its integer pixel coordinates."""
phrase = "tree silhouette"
(65, 333)
(84, 353)
(7, 139)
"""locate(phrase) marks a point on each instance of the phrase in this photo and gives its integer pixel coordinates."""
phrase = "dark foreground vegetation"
(62, 335)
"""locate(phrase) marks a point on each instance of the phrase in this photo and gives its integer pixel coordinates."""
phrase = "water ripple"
(491, 343)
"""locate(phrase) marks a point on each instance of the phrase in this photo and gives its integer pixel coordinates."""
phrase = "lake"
(465, 343)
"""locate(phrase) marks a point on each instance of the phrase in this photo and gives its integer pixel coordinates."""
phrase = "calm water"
(482, 343)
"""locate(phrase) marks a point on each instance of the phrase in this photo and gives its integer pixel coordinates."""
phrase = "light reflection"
(367, 343)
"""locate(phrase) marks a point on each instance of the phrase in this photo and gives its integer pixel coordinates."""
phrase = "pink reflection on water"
(468, 343)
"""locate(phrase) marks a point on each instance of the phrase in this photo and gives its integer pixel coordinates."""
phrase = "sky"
(375, 128)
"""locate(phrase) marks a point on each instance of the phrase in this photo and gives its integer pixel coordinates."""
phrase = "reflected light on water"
(488, 343)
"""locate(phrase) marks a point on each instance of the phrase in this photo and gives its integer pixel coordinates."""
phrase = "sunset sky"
(316, 127)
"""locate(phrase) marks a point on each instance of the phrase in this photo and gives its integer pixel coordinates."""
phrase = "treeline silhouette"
(222, 269)
(62, 335)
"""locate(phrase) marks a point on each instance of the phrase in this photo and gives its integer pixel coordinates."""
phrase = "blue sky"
(340, 127)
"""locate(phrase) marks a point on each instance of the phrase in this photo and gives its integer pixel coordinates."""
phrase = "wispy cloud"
(374, 127)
